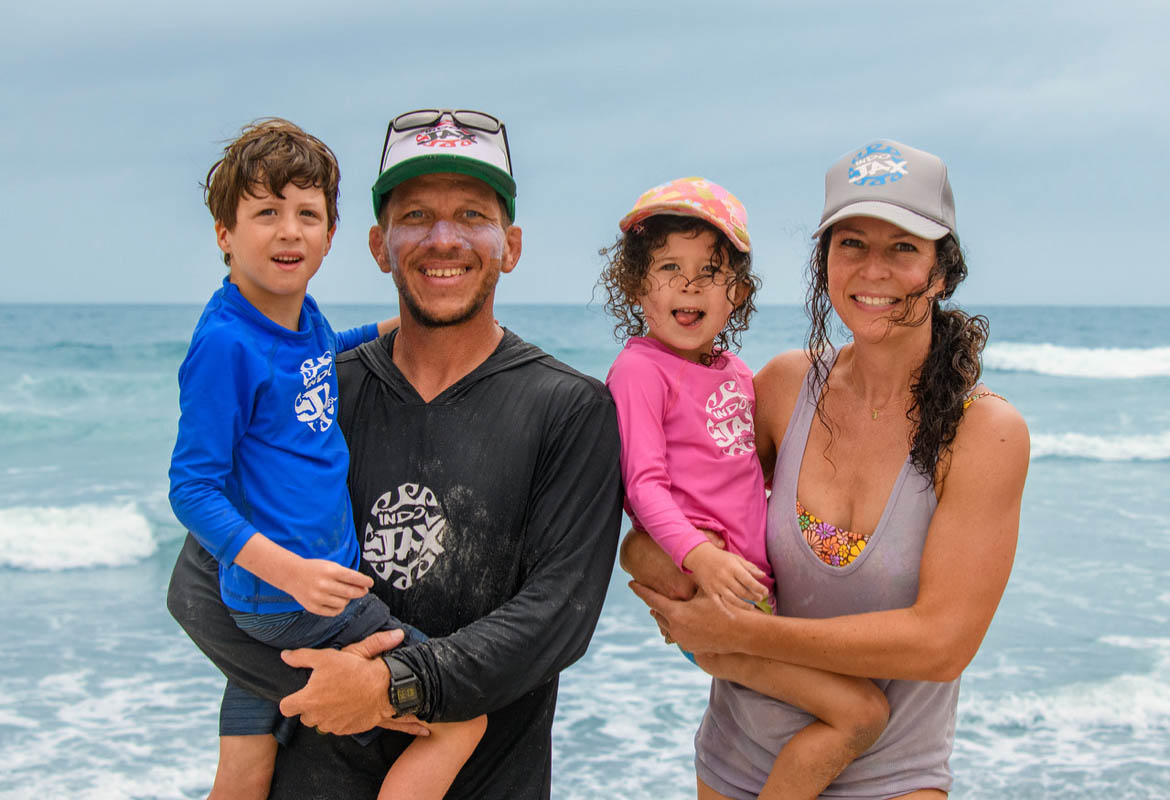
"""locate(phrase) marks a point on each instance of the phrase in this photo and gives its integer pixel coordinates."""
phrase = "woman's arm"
(965, 566)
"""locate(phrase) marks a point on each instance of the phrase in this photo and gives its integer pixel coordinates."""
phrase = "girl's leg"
(245, 767)
(851, 714)
(707, 793)
(427, 768)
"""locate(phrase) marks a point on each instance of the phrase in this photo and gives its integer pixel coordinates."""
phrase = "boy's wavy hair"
(270, 153)
(952, 366)
(627, 266)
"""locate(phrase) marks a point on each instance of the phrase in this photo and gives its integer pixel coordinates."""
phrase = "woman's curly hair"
(951, 369)
(627, 265)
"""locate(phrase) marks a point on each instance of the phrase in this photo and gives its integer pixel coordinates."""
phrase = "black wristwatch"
(406, 692)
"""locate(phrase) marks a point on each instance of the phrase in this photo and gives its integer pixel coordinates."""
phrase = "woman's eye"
(848, 242)
(905, 247)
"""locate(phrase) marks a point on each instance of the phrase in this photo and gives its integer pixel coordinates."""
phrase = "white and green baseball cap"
(894, 182)
(434, 140)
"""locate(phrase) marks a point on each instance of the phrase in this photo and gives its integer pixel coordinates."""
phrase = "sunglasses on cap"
(403, 124)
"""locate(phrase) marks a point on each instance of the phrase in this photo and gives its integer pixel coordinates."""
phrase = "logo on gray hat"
(877, 165)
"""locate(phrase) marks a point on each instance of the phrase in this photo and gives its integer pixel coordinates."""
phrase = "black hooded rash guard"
(488, 518)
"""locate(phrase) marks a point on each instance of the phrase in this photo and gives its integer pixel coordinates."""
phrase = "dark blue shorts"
(244, 714)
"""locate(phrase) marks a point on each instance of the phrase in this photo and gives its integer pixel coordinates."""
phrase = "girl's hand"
(730, 580)
(325, 588)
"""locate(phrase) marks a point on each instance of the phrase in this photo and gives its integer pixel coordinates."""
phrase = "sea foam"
(79, 536)
(1152, 447)
(1078, 362)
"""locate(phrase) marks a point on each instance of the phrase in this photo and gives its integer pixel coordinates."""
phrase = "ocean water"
(102, 696)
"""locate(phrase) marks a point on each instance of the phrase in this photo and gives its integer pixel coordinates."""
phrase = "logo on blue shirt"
(317, 405)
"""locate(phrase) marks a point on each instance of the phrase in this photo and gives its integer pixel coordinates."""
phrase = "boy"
(259, 469)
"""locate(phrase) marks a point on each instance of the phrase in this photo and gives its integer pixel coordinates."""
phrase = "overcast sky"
(1050, 115)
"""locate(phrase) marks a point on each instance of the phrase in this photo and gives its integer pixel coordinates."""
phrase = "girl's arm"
(965, 566)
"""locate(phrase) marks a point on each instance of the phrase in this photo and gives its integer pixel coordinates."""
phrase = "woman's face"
(874, 266)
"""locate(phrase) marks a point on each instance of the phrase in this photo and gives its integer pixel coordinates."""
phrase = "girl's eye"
(711, 269)
(668, 266)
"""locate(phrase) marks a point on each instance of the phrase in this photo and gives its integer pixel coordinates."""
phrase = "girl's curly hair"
(627, 265)
(951, 369)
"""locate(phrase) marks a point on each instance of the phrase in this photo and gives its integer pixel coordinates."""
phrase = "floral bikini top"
(838, 547)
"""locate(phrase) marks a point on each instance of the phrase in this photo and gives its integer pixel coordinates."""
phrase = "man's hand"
(325, 588)
(729, 579)
(347, 692)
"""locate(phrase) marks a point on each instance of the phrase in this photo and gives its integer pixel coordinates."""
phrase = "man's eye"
(472, 214)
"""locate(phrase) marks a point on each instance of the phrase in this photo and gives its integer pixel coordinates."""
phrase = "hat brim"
(905, 219)
(500, 181)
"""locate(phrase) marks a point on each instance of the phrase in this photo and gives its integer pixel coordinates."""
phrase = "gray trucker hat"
(891, 181)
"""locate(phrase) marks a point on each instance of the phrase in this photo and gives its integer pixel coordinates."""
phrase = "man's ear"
(514, 238)
(378, 248)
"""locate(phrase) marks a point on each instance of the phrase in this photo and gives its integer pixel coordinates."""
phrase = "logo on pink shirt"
(729, 419)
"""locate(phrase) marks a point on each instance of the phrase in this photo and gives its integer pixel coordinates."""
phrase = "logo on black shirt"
(402, 536)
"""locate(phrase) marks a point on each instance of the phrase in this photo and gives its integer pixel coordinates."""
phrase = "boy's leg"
(245, 767)
(427, 768)
(851, 714)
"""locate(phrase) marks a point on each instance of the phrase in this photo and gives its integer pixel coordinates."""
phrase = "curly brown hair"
(627, 263)
(952, 366)
(270, 153)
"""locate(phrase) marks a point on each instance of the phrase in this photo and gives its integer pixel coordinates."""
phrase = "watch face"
(406, 695)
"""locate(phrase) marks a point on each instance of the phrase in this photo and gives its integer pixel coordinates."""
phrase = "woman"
(896, 496)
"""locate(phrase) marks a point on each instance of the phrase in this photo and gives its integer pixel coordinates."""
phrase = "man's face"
(445, 242)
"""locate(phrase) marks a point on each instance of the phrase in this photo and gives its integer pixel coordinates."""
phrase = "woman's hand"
(699, 624)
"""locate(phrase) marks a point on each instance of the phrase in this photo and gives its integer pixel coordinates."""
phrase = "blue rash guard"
(257, 448)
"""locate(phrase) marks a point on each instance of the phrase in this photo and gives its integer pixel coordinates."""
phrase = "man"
(486, 495)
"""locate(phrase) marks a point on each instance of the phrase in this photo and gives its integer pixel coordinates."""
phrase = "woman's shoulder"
(992, 439)
(784, 371)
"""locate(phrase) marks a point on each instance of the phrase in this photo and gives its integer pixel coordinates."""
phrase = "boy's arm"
(217, 384)
(349, 339)
(321, 586)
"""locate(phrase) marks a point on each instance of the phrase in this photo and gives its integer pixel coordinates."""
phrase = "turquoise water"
(101, 696)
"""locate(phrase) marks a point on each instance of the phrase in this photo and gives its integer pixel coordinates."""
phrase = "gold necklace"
(874, 411)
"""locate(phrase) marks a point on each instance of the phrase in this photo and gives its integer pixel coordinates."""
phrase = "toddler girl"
(680, 283)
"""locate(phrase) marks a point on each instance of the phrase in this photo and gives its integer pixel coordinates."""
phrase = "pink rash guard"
(689, 450)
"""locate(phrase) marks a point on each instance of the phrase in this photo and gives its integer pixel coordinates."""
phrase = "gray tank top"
(742, 731)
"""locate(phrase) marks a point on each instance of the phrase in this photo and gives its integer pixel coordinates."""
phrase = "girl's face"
(686, 297)
(874, 266)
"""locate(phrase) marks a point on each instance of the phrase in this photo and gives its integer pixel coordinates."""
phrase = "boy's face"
(276, 246)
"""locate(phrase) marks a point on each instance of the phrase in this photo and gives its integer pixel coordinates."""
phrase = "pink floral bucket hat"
(694, 197)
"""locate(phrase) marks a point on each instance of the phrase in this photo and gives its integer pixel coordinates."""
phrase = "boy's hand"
(325, 588)
(730, 580)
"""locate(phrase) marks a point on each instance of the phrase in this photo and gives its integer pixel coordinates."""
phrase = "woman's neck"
(882, 372)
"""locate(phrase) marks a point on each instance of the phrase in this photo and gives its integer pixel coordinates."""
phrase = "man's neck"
(434, 359)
